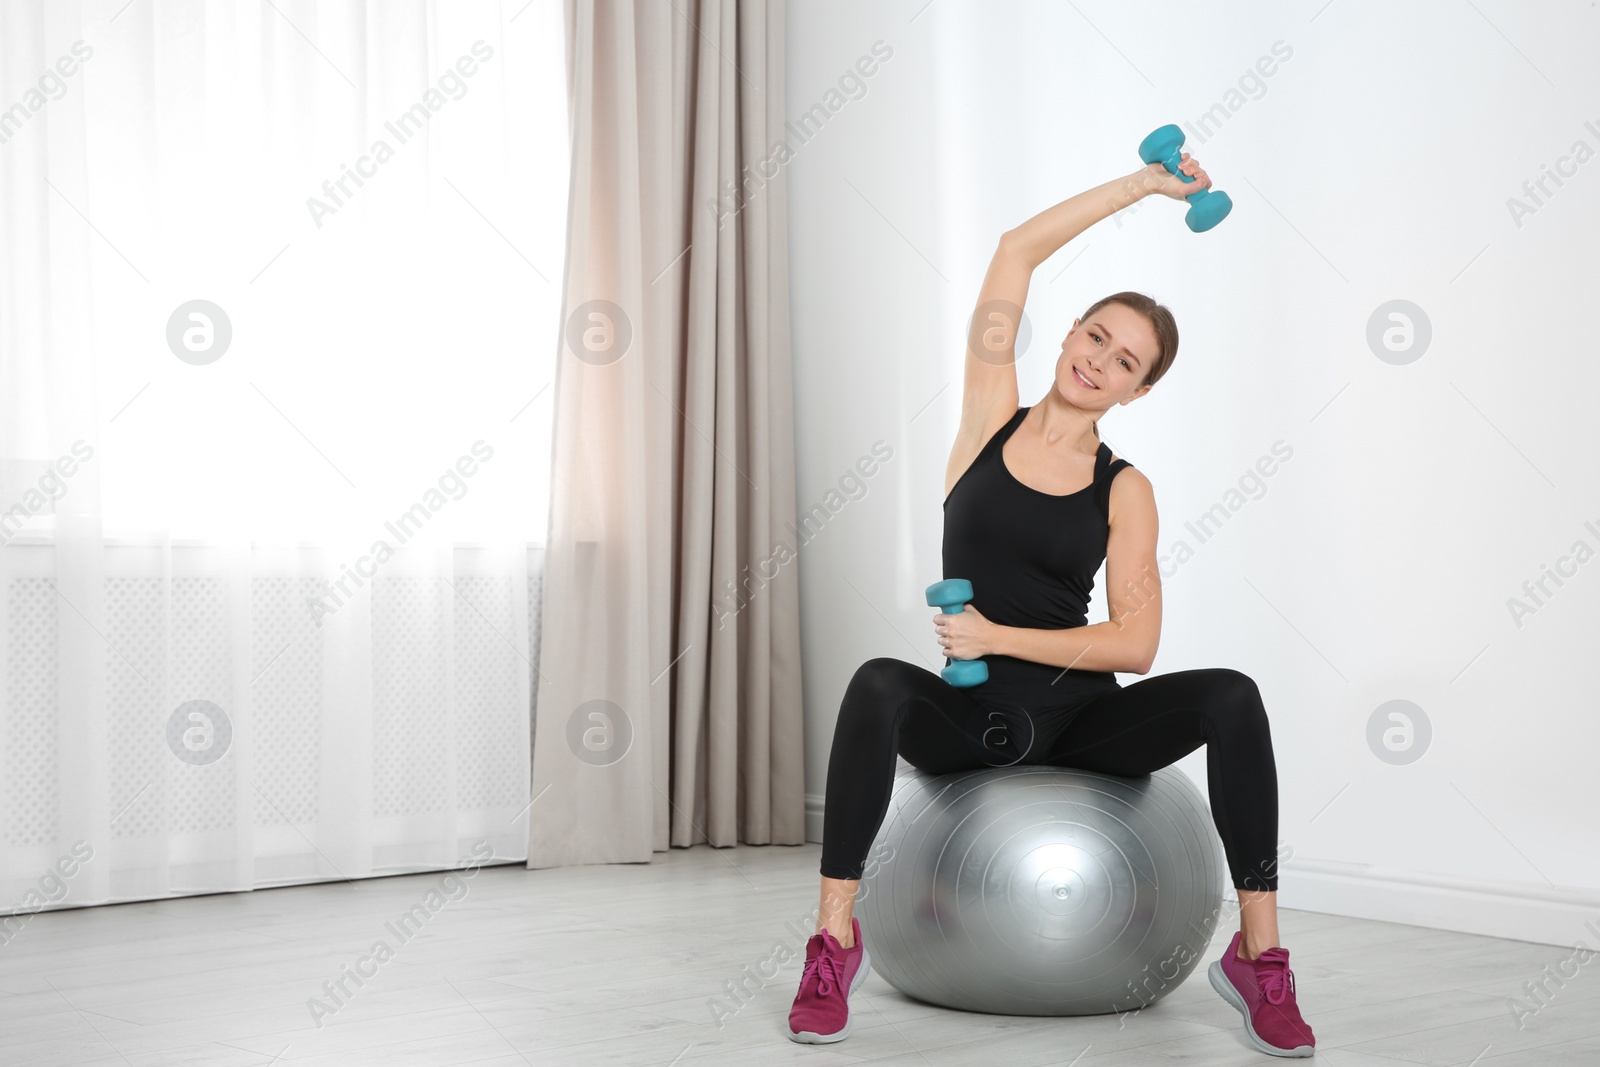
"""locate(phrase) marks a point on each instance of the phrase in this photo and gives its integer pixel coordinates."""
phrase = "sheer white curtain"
(279, 299)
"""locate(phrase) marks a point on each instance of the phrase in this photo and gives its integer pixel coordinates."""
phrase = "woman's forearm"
(1043, 235)
(1100, 646)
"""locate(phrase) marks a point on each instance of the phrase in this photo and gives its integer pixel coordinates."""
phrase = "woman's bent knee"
(880, 679)
(884, 667)
(1236, 704)
(877, 690)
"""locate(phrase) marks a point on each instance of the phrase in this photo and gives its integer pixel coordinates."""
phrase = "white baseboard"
(814, 817)
(1547, 915)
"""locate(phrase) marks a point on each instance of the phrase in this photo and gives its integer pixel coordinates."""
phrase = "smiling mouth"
(1087, 384)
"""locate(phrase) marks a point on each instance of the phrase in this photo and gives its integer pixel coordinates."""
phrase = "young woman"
(1035, 502)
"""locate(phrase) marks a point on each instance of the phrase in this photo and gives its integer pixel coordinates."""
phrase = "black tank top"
(1031, 557)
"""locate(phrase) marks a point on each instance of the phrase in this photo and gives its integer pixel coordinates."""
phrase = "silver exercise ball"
(1032, 890)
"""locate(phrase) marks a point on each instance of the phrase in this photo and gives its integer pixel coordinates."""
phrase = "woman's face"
(1114, 350)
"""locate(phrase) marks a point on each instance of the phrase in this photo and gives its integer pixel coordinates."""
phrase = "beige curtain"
(668, 707)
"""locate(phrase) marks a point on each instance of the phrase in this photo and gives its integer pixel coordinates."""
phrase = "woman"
(1034, 503)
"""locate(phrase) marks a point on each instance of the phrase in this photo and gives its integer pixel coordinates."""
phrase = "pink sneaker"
(1262, 990)
(821, 1011)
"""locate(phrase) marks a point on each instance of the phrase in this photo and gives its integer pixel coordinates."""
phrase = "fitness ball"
(1035, 890)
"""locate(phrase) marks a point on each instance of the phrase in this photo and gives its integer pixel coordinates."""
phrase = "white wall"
(1377, 563)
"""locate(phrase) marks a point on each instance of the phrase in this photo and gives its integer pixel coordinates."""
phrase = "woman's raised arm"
(989, 387)
(989, 382)
(1043, 235)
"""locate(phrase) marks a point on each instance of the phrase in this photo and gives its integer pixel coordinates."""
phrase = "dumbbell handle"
(1173, 161)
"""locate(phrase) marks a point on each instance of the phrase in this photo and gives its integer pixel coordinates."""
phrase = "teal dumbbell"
(948, 596)
(1207, 207)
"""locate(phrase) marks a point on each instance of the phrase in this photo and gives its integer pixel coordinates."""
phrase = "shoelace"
(1277, 980)
(826, 969)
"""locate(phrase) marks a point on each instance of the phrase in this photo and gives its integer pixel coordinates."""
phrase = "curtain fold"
(669, 706)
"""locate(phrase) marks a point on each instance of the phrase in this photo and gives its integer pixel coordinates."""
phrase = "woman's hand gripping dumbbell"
(963, 634)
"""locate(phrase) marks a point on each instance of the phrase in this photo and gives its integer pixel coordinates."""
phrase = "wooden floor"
(621, 964)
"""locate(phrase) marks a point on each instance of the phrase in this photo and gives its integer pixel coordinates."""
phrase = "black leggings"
(892, 706)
